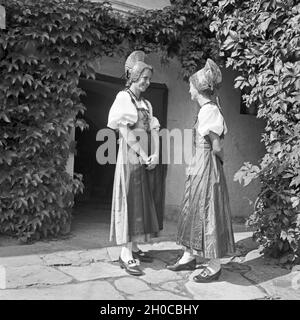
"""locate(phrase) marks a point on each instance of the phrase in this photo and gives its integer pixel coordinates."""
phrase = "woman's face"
(144, 80)
(193, 91)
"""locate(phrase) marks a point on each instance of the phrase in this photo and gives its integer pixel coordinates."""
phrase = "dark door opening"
(98, 179)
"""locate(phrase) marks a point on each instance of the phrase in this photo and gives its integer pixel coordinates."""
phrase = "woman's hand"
(144, 159)
(152, 161)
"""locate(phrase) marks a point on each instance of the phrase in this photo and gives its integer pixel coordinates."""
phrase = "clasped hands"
(150, 162)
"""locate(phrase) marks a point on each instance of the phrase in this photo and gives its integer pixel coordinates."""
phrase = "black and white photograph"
(149, 153)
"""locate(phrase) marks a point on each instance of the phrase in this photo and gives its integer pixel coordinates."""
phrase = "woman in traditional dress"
(133, 215)
(204, 225)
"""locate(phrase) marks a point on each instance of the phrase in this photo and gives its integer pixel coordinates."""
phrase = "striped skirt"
(204, 223)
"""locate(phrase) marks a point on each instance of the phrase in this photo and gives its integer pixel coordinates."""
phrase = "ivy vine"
(46, 48)
(261, 39)
(49, 44)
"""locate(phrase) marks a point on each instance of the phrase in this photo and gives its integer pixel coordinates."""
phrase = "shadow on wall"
(242, 144)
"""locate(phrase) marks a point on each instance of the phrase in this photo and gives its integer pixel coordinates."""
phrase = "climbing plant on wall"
(180, 30)
(47, 46)
(261, 39)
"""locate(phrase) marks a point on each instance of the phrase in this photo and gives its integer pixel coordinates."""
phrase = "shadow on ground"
(246, 268)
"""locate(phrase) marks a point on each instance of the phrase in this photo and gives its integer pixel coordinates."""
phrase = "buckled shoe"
(130, 267)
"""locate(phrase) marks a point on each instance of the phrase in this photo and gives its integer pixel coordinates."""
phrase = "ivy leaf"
(4, 117)
(295, 201)
(252, 80)
(238, 81)
(263, 27)
(228, 43)
(295, 181)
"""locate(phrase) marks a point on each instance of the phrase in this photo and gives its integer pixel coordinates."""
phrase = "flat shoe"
(130, 267)
(206, 276)
(191, 265)
(142, 256)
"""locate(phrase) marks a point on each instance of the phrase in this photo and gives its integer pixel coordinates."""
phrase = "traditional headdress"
(208, 77)
(135, 65)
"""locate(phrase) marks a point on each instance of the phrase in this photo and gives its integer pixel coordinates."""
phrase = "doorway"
(93, 206)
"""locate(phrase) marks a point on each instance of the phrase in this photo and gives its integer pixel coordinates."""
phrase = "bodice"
(143, 121)
(199, 140)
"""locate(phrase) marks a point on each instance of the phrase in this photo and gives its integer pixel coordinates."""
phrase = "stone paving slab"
(296, 268)
(167, 256)
(98, 270)
(285, 287)
(34, 275)
(263, 273)
(155, 265)
(156, 248)
(20, 261)
(94, 255)
(130, 285)
(61, 258)
(243, 277)
(95, 290)
(177, 287)
(276, 281)
(230, 286)
(154, 277)
(156, 295)
(75, 258)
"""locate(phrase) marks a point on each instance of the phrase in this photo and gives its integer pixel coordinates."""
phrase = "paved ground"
(94, 274)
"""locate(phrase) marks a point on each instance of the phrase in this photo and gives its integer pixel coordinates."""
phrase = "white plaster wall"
(242, 143)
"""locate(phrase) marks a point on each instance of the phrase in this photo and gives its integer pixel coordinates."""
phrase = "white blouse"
(211, 119)
(123, 112)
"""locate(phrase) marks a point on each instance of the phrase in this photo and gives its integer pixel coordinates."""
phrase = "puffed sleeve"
(211, 119)
(154, 123)
(122, 111)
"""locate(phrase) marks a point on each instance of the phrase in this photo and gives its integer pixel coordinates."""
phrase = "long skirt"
(133, 215)
(205, 220)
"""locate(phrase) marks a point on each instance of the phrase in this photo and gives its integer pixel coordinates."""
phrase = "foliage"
(180, 30)
(261, 39)
(47, 46)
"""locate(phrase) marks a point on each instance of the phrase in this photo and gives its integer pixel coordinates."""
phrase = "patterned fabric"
(144, 119)
(208, 77)
(204, 223)
(133, 58)
(135, 65)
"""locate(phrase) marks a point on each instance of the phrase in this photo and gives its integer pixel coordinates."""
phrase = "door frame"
(107, 78)
(121, 81)
(163, 123)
